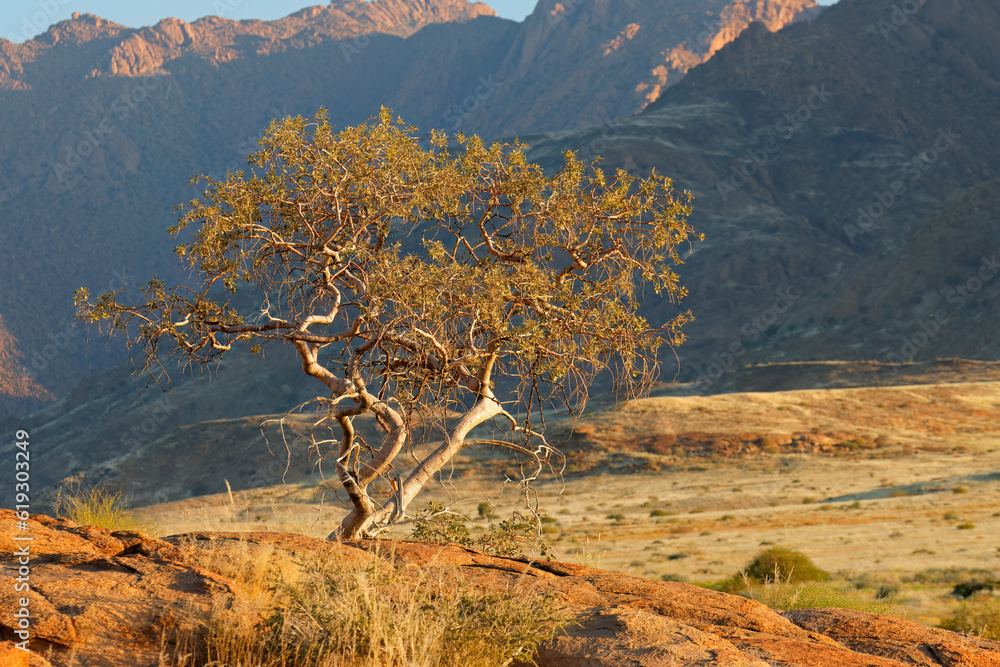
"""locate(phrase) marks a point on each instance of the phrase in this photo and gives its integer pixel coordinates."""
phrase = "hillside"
(160, 447)
(105, 124)
(847, 184)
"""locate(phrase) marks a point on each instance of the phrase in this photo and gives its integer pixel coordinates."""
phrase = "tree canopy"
(434, 288)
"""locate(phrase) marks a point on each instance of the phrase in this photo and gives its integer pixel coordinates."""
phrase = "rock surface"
(584, 62)
(108, 598)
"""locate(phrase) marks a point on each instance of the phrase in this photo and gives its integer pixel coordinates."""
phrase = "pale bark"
(486, 408)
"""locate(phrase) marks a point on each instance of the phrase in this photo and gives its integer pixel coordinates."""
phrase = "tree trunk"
(484, 409)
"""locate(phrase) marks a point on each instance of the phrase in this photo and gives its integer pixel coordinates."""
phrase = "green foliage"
(519, 254)
(776, 564)
(435, 524)
(979, 616)
(779, 562)
(785, 579)
(784, 595)
(102, 508)
(412, 281)
(967, 589)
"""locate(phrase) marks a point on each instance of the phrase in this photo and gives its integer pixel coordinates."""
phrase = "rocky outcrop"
(220, 40)
(20, 393)
(106, 599)
(606, 60)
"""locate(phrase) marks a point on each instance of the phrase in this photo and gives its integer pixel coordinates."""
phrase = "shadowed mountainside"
(104, 124)
(845, 174)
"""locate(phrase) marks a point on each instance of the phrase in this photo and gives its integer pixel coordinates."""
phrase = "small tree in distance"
(436, 292)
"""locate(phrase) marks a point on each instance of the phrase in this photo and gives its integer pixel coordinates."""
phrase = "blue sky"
(23, 19)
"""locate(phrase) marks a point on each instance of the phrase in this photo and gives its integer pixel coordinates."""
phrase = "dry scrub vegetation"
(327, 611)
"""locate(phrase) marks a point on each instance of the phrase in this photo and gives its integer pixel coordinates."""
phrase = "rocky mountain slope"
(104, 124)
(91, 589)
(845, 175)
(783, 137)
(579, 63)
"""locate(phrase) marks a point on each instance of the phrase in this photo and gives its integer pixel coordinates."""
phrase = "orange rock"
(102, 598)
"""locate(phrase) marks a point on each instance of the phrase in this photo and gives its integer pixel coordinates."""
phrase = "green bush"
(102, 508)
(435, 524)
(779, 563)
(786, 579)
(773, 565)
(979, 616)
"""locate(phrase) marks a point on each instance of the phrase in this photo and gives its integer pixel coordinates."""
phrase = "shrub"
(779, 563)
(436, 524)
(979, 616)
(784, 579)
(102, 508)
(967, 589)
(335, 613)
(370, 615)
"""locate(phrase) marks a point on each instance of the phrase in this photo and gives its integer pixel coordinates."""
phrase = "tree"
(437, 292)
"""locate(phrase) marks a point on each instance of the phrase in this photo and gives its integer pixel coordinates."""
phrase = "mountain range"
(104, 124)
(845, 173)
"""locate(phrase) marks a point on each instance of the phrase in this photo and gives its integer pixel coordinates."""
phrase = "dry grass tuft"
(102, 508)
(326, 612)
(784, 594)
